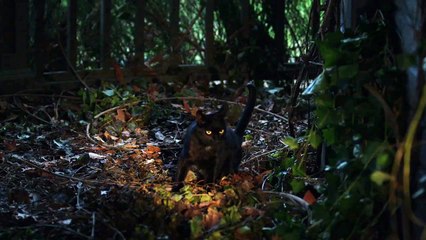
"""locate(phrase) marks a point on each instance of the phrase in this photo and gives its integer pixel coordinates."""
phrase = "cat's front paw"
(177, 186)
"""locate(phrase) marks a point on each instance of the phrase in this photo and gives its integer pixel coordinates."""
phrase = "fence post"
(105, 22)
(72, 33)
(209, 53)
(39, 37)
(174, 32)
(140, 32)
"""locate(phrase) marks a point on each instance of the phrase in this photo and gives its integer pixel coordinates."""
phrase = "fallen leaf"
(96, 156)
(160, 136)
(309, 197)
(20, 196)
(187, 107)
(253, 212)
(247, 185)
(122, 115)
(10, 145)
(108, 136)
(152, 151)
(119, 76)
(152, 91)
(212, 217)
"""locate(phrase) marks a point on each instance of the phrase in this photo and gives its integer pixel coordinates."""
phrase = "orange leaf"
(193, 212)
(247, 185)
(186, 106)
(212, 217)
(119, 76)
(309, 197)
(259, 178)
(153, 148)
(152, 151)
(10, 145)
(152, 91)
(253, 212)
(122, 115)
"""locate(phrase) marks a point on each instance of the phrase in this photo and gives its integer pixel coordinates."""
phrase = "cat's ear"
(223, 110)
(200, 117)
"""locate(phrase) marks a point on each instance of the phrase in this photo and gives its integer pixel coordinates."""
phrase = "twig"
(73, 71)
(31, 164)
(293, 199)
(93, 225)
(220, 100)
(28, 112)
(55, 226)
(262, 154)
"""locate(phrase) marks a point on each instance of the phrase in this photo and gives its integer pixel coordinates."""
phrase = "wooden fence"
(24, 67)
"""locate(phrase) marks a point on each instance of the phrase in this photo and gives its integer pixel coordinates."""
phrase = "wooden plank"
(39, 37)
(16, 80)
(174, 33)
(140, 32)
(72, 33)
(7, 32)
(245, 18)
(209, 53)
(22, 33)
(105, 22)
(279, 25)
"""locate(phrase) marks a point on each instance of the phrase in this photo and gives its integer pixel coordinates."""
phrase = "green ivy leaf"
(314, 139)
(291, 143)
(176, 197)
(380, 177)
(205, 198)
(329, 135)
(231, 215)
(382, 161)
(347, 71)
(297, 185)
(196, 224)
(288, 162)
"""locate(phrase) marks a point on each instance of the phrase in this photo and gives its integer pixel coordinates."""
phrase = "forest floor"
(110, 177)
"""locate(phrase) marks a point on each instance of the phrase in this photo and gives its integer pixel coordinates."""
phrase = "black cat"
(211, 148)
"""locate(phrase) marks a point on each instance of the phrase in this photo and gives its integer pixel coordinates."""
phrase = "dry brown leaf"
(193, 212)
(122, 115)
(10, 145)
(212, 217)
(119, 76)
(253, 212)
(152, 151)
(276, 237)
(259, 178)
(152, 91)
(247, 185)
(187, 107)
(215, 203)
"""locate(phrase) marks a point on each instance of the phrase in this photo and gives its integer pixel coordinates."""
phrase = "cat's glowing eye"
(208, 132)
(222, 131)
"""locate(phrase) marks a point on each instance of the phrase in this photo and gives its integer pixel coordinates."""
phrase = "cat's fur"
(212, 148)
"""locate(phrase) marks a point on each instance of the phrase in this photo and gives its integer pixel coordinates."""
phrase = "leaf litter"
(113, 179)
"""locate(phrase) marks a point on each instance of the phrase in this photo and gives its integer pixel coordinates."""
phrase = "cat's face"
(212, 126)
